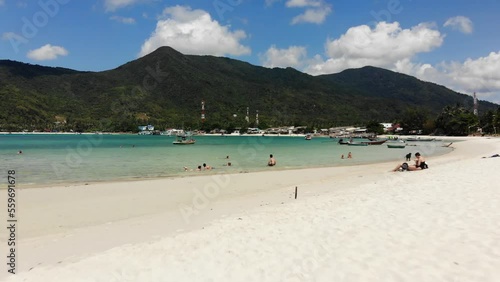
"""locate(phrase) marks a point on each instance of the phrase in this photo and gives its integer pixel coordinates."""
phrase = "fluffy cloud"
(304, 3)
(123, 20)
(194, 32)
(113, 5)
(386, 45)
(316, 11)
(463, 24)
(293, 56)
(480, 75)
(47, 52)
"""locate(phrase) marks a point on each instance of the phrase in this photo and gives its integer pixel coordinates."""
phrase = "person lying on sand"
(492, 156)
(419, 164)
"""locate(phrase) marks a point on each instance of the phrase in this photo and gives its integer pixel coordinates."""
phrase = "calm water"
(64, 158)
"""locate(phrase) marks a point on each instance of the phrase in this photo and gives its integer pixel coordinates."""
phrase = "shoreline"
(116, 220)
(247, 135)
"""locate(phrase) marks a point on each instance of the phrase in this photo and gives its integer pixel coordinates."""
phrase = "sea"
(53, 159)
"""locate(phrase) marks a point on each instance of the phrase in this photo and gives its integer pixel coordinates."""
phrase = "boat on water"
(396, 145)
(343, 142)
(308, 137)
(184, 140)
(375, 142)
(350, 143)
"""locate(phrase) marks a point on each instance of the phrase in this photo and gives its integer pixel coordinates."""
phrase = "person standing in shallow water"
(349, 156)
(272, 160)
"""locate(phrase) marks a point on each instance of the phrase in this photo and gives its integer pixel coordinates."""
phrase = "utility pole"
(202, 111)
(475, 105)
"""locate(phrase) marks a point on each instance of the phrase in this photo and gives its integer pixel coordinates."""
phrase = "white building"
(387, 126)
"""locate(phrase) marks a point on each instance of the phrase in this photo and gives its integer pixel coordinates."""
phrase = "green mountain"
(165, 88)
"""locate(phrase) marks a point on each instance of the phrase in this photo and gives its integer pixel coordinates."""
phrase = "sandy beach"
(355, 223)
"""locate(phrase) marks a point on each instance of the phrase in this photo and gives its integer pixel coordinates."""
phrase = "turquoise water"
(67, 158)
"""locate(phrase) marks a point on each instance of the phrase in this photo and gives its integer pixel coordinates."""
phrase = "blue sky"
(455, 43)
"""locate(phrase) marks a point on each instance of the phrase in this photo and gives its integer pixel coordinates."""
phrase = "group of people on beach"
(419, 163)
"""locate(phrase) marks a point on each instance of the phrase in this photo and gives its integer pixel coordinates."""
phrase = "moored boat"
(350, 143)
(184, 140)
(375, 142)
(396, 145)
(342, 142)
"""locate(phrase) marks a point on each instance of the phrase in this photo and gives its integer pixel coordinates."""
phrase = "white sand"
(359, 223)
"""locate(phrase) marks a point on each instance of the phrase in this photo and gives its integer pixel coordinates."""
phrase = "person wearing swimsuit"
(419, 164)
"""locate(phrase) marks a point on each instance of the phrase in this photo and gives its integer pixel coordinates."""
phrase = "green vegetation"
(165, 89)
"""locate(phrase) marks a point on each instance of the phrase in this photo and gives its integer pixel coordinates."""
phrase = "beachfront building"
(386, 126)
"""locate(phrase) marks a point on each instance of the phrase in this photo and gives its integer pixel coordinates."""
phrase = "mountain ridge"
(166, 88)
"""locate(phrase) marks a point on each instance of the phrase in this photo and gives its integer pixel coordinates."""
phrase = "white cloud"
(194, 32)
(463, 24)
(315, 12)
(385, 45)
(304, 3)
(113, 5)
(391, 47)
(316, 16)
(480, 75)
(293, 56)
(47, 52)
(10, 35)
(123, 20)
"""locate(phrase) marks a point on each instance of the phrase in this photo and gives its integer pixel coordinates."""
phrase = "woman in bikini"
(419, 164)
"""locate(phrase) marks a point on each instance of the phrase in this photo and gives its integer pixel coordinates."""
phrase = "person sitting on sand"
(272, 160)
(419, 164)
